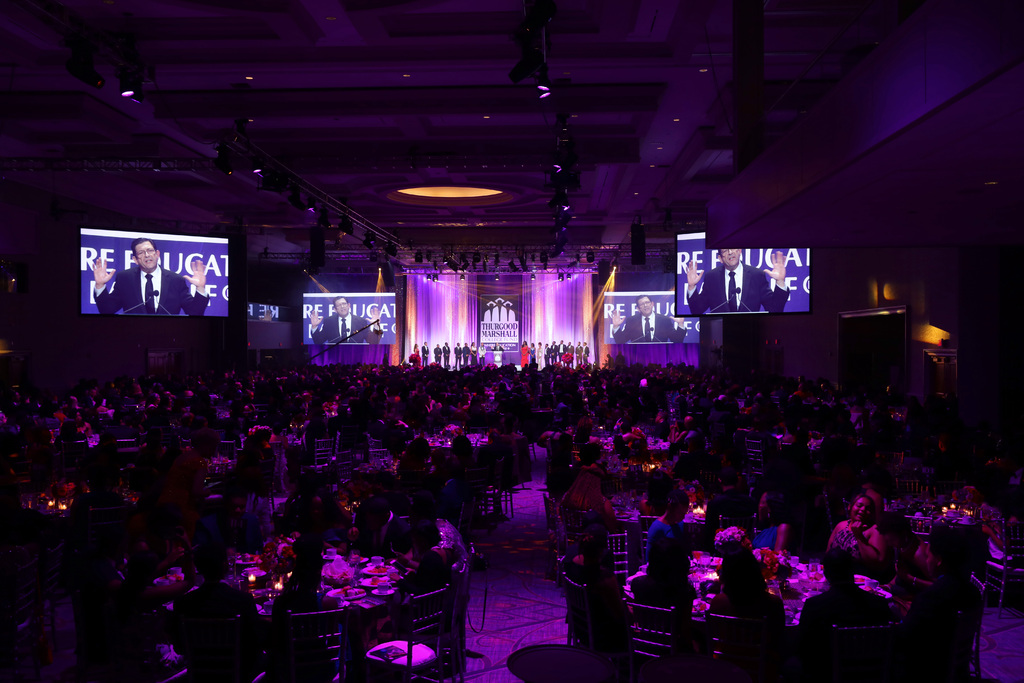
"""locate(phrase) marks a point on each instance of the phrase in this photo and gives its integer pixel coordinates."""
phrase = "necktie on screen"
(647, 329)
(150, 299)
(344, 329)
(733, 304)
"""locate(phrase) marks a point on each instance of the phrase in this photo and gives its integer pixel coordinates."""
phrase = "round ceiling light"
(450, 195)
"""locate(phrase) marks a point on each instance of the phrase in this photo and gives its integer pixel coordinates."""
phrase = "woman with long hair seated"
(773, 519)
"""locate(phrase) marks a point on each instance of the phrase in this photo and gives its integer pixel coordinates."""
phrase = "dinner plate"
(347, 593)
(700, 606)
(380, 581)
(383, 591)
(379, 570)
(254, 572)
(879, 591)
(860, 579)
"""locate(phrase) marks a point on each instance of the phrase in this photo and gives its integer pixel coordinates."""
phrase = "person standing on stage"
(586, 353)
(447, 353)
(533, 353)
(465, 354)
(437, 353)
(458, 356)
(524, 355)
(425, 352)
(579, 354)
(473, 354)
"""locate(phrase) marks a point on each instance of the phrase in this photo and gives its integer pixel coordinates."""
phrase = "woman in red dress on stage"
(524, 355)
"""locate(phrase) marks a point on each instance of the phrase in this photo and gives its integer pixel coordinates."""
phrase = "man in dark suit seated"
(217, 600)
(231, 526)
(377, 531)
(731, 502)
(843, 604)
(149, 289)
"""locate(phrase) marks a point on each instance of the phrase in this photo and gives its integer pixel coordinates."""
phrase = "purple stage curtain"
(436, 312)
(350, 354)
(660, 354)
(553, 311)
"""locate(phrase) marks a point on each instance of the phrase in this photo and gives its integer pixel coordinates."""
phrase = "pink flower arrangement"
(733, 534)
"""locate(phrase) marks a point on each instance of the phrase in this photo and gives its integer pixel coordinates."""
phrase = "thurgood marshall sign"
(499, 322)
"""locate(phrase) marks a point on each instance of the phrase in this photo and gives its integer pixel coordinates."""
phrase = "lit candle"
(252, 579)
(945, 510)
(278, 586)
(62, 506)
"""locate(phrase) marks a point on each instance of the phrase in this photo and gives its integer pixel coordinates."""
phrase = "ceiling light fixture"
(590, 257)
(346, 225)
(323, 220)
(419, 257)
(543, 82)
(368, 241)
(462, 276)
(391, 249)
(130, 79)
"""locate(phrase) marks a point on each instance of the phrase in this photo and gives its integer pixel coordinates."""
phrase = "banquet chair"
(454, 641)
(418, 645)
(98, 519)
(572, 523)
(315, 646)
(50, 566)
(556, 540)
(466, 513)
(922, 526)
(975, 661)
(909, 487)
(862, 654)
(755, 457)
(965, 658)
(280, 466)
(742, 522)
(944, 488)
(618, 547)
(72, 453)
(213, 649)
(344, 464)
(652, 633)
(743, 642)
(645, 527)
(1000, 573)
(580, 631)
(226, 449)
(19, 630)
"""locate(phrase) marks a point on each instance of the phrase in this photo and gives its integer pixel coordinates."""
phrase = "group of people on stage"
(468, 355)
(465, 355)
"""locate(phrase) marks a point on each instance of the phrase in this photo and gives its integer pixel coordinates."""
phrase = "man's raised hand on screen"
(616, 318)
(314, 319)
(693, 275)
(100, 273)
(198, 277)
(778, 271)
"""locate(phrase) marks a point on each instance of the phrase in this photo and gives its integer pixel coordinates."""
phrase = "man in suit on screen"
(646, 327)
(341, 325)
(149, 289)
(733, 287)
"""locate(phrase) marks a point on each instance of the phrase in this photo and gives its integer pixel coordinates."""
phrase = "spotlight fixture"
(323, 220)
(273, 181)
(590, 257)
(257, 166)
(496, 276)
(531, 60)
(543, 82)
(368, 241)
(391, 249)
(476, 257)
(419, 257)
(80, 64)
(223, 160)
(561, 277)
(560, 199)
(434, 278)
(429, 256)
(533, 276)
(130, 79)
(512, 266)
(346, 225)
(452, 263)
(462, 276)
(294, 199)
(311, 204)
(544, 259)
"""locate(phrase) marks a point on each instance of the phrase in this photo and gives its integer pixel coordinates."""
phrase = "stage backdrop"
(366, 296)
(483, 311)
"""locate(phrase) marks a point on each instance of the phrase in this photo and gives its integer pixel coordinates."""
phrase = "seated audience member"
(377, 532)
(843, 604)
(668, 525)
(859, 536)
(232, 526)
(656, 500)
(455, 493)
(215, 599)
(911, 553)
(744, 593)
(424, 507)
(585, 492)
(607, 607)
(927, 632)
(774, 519)
(138, 593)
(667, 561)
(416, 455)
(430, 563)
(258, 500)
(303, 593)
(731, 502)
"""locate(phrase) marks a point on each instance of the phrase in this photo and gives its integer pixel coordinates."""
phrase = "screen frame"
(728, 314)
(228, 241)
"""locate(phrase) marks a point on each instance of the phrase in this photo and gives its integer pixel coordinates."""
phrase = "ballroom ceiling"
(361, 98)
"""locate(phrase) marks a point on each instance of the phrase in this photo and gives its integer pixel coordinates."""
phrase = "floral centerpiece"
(773, 565)
(733, 534)
(695, 490)
(338, 573)
(278, 556)
(968, 495)
(452, 431)
(261, 432)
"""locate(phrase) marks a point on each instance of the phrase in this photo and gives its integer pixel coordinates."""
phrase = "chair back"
(755, 456)
(213, 649)
(743, 642)
(226, 449)
(572, 522)
(645, 526)
(620, 557)
(344, 465)
(466, 519)
(1013, 540)
(50, 564)
(653, 631)
(577, 602)
(862, 654)
(922, 526)
(315, 644)
(323, 449)
(966, 637)
(98, 519)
